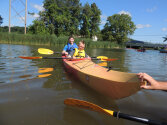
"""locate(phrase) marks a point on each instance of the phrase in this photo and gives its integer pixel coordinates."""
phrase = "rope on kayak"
(85, 65)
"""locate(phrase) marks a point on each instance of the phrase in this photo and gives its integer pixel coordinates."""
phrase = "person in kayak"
(80, 52)
(152, 83)
(69, 49)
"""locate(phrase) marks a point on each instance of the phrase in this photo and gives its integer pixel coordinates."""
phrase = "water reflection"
(14, 69)
(151, 62)
(23, 92)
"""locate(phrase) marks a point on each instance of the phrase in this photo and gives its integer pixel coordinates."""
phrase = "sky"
(149, 16)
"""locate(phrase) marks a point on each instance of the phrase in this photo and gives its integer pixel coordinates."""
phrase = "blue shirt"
(69, 47)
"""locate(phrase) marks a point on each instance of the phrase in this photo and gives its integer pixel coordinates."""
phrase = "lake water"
(32, 91)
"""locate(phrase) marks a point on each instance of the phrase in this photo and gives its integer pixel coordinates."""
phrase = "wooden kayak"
(111, 83)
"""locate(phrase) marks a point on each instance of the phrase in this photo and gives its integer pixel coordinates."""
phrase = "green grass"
(50, 40)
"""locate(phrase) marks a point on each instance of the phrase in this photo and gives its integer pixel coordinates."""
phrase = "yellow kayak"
(111, 83)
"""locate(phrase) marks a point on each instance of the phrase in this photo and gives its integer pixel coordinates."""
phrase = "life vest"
(71, 47)
(79, 53)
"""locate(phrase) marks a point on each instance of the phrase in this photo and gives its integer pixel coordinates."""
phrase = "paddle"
(50, 52)
(91, 106)
(27, 57)
(104, 64)
(47, 51)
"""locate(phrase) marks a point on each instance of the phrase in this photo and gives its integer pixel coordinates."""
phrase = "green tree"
(4, 29)
(90, 20)
(38, 27)
(95, 20)
(17, 29)
(74, 10)
(63, 15)
(67, 17)
(85, 20)
(118, 27)
(1, 20)
(85, 27)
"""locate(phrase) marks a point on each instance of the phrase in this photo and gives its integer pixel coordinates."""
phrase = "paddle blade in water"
(86, 105)
(27, 57)
(45, 51)
(93, 107)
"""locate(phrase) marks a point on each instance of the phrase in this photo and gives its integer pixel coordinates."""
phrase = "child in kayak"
(80, 52)
(153, 84)
(69, 49)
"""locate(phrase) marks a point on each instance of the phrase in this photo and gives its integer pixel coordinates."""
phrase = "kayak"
(141, 50)
(163, 51)
(113, 84)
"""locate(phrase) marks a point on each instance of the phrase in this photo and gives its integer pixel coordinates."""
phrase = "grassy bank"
(50, 40)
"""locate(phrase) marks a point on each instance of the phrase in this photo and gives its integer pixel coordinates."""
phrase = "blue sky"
(149, 16)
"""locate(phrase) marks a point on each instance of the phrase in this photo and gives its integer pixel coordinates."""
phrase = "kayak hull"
(111, 83)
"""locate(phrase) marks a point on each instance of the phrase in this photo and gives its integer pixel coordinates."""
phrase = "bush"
(51, 40)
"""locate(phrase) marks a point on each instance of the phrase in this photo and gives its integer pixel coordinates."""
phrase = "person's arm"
(65, 50)
(86, 56)
(153, 84)
(163, 85)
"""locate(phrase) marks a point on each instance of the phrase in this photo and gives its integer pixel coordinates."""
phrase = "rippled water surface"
(32, 91)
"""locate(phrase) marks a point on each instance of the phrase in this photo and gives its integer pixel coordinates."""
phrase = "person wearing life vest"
(69, 49)
(80, 52)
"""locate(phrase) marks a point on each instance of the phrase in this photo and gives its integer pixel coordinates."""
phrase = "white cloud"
(22, 19)
(150, 10)
(38, 7)
(140, 26)
(35, 15)
(164, 29)
(125, 12)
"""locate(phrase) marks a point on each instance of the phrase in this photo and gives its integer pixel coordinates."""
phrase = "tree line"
(69, 17)
(15, 29)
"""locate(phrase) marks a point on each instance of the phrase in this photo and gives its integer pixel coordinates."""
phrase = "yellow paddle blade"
(87, 105)
(103, 58)
(109, 111)
(45, 51)
(103, 64)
